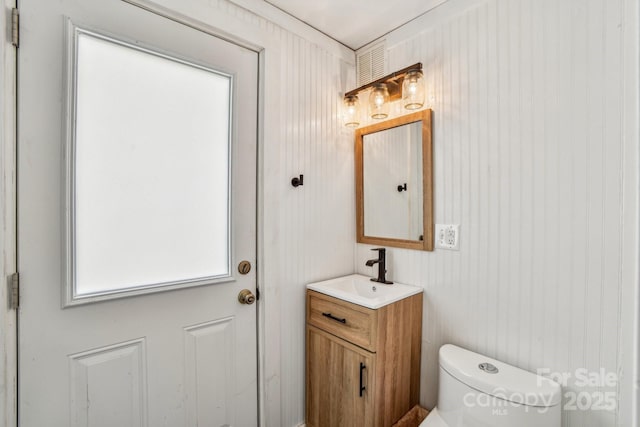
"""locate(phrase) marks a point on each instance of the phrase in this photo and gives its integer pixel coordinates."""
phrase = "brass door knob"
(246, 297)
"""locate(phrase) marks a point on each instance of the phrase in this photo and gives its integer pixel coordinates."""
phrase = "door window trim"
(70, 297)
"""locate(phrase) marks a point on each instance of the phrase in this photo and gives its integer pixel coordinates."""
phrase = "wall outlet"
(448, 236)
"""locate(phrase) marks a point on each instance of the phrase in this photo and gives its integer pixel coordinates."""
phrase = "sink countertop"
(360, 290)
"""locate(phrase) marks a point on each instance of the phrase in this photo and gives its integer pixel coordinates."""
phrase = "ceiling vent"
(370, 63)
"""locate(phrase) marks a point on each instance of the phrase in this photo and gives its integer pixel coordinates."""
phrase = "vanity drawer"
(351, 322)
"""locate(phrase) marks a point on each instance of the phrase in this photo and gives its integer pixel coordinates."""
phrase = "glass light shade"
(351, 112)
(379, 102)
(413, 90)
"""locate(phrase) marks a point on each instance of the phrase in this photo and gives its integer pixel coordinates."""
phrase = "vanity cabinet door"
(336, 372)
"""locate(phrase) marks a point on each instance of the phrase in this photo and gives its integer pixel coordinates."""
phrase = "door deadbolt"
(246, 297)
(244, 267)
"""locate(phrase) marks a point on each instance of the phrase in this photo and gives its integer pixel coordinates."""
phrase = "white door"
(137, 163)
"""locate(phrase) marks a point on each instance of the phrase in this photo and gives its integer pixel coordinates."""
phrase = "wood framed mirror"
(394, 182)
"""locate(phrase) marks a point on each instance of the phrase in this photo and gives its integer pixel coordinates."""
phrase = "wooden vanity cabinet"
(363, 365)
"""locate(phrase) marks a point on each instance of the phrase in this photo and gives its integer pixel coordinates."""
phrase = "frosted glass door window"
(149, 175)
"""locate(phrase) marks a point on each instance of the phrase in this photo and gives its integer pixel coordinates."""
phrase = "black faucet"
(382, 265)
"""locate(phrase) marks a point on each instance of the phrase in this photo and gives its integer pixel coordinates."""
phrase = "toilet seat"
(433, 420)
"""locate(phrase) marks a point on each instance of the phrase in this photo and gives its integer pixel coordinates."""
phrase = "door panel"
(94, 373)
(210, 369)
(183, 357)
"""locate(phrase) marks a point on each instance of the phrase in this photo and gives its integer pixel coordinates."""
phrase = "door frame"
(8, 223)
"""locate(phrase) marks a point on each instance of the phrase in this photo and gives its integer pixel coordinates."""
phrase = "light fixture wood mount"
(393, 82)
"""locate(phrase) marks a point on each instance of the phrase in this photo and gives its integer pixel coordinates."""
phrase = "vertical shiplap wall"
(314, 231)
(306, 233)
(531, 159)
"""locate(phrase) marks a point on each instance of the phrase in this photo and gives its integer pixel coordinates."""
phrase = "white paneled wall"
(314, 231)
(530, 100)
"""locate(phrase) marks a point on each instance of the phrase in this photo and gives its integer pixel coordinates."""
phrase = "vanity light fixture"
(406, 84)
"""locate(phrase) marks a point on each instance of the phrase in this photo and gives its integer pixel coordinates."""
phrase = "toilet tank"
(477, 391)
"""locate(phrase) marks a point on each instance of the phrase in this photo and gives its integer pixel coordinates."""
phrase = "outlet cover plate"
(447, 236)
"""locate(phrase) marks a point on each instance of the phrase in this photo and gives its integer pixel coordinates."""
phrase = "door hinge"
(15, 27)
(14, 294)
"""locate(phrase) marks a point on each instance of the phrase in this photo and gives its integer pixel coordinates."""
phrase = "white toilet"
(476, 391)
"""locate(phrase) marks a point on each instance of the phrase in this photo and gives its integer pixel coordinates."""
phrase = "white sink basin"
(362, 291)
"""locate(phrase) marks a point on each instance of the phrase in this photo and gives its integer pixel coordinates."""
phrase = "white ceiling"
(355, 23)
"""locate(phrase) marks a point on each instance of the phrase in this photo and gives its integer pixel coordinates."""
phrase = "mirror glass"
(392, 168)
(393, 177)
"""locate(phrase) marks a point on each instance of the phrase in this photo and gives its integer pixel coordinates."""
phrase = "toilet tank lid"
(509, 383)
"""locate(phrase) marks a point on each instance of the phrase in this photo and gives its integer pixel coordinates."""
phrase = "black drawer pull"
(337, 319)
(362, 387)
